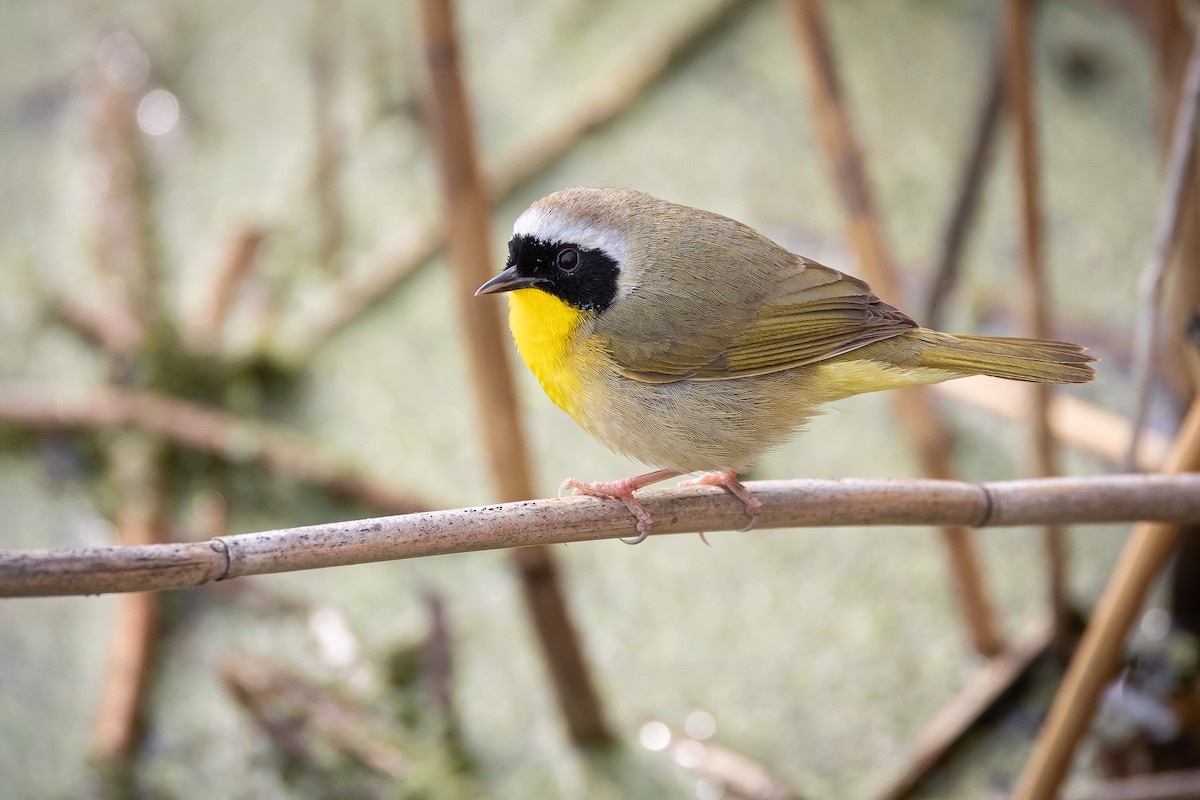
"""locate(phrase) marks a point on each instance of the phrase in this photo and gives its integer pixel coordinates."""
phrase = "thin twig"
(914, 407)
(108, 324)
(1035, 295)
(131, 648)
(616, 86)
(1096, 660)
(295, 713)
(208, 321)
(1150, 286)
(43, 408)
(786, 504)
(136, 631)
(328, 135)
(966, 201)
(740, 776)
(1181, 785)
(127, 249)
(469, 244)
(1072, 421)
(633, 72)
(960, 715)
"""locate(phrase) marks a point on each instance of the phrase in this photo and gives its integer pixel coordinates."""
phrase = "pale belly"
(692, 426)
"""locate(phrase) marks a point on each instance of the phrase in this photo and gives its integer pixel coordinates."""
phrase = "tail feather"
(1035, 360)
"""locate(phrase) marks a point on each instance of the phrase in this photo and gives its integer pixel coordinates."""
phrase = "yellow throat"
(544, 329)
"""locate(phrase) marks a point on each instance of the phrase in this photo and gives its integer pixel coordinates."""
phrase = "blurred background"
(224, 308)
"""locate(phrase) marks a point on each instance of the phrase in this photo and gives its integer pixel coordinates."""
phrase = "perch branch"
(786, 504)
(914, 407)
(37, 407)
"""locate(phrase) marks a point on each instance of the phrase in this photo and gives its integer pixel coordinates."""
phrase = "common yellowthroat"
(692, 343)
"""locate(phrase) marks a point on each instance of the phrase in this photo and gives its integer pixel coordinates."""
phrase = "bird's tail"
(1036, 360)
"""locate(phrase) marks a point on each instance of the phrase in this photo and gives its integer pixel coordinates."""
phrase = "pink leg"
(727, 479)
(622, 490)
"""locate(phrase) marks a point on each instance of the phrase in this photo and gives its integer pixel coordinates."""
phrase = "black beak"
(507, 281)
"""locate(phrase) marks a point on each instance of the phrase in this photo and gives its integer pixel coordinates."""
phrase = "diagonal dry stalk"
(981, 692)
(1098, 656)
(966, 200)
(737, 774)
(39, 407)
(914, 407)
(469, 241)
(1171, 207)
(206, 323)
(297, 714)
(136, 625)
(1073, 421)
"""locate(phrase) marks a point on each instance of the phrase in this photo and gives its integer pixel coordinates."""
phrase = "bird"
(693, 343)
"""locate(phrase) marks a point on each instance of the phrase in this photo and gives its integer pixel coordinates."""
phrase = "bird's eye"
(567, 260)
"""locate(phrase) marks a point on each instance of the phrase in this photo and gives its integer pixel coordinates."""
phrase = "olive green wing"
(805, 315)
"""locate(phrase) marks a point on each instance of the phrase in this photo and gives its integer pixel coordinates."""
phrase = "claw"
(727, 479)
(622, 490)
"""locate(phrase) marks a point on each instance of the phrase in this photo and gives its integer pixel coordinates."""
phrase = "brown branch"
(740, 776)
(294, 711)
(132, 644)
(1072, 421)
(42, 408)
(134, 639)
(1183, 144)
(469, 245)
(1170, 38)
(1181, 785)
(328, 135)
(1098, 656)
(108, 324)
(914, 407)
(127, 250)
(1035, 303)
(616, 86)
(786, 504)
(208, 321)
(966, 201)
(594, 106)
(1175, 785)
(959, 716)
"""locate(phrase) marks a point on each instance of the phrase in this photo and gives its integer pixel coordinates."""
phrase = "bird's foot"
(622, 490)
(727, 479)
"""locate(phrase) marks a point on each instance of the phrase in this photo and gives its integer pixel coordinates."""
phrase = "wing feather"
(798, 313)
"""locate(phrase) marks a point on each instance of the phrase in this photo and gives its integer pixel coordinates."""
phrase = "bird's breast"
(546, 332)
